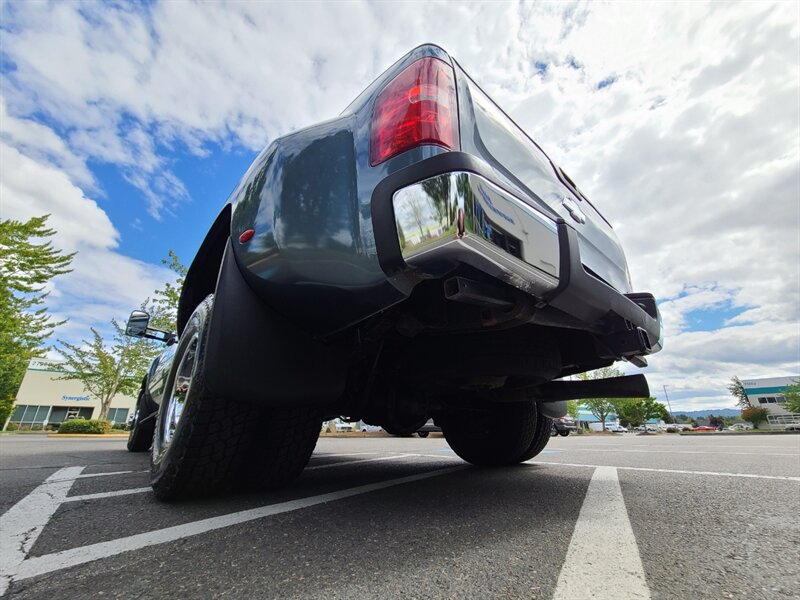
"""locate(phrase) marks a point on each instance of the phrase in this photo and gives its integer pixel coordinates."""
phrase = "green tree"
(28, 262)
(107, 369)
(754, 415)
(601, 407)
(164, 307)
(792, 395)
(636, 411)
(117, 367)
(572, 409)
(663, 413)
(736, 389)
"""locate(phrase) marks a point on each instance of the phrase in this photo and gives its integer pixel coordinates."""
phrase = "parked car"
(366, 428)
(616, 428)
(703, 428)
(418, 256)
(563, 426)
(648, 427)
(343, 426)
(740, 427)
(792, 427)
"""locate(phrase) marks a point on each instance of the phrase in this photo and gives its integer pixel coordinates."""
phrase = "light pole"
(671, 414)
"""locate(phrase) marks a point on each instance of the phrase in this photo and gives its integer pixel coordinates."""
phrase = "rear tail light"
(418, 107)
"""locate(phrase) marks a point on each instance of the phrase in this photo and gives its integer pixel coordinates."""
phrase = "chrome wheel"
(173, 409)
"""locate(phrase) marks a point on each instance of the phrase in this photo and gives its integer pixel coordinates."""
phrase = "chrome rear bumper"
(433, 217)
(463, 217)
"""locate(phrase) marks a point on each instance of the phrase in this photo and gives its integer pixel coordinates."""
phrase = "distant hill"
(717, 412)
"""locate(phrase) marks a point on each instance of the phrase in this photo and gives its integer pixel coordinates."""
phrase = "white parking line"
(602, 559)
(107, 494)
(718, 446)
(21, 524)
(41, 565)
(313, 456)
(686, 452)
(110, 473)
(361, 460)
(680, 471)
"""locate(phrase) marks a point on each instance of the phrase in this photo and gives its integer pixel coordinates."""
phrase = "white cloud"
(41, 142)
(104, 284)
(693, 152)
(29, 188)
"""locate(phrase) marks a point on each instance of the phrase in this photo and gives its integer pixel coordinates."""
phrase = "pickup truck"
(419, 256)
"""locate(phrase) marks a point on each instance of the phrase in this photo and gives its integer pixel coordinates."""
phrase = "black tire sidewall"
(166, 464)
(501, 440)
(141, 434)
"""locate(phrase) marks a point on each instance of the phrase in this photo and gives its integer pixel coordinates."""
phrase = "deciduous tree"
(600, 407)
(754, 415)
(572, 409)
(164, 307)
(28, 262)
(107, 368)
(636, 411)
(736, 389)
(792, 395)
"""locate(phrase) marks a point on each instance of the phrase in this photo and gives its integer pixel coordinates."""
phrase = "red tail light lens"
(417, 107)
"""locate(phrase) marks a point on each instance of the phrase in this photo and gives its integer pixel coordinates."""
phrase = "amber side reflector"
(247, 236)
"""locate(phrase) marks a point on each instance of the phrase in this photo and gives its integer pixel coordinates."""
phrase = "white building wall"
(45, 394)
(768, 393)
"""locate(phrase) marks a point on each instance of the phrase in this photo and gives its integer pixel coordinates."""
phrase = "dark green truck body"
(354, 271)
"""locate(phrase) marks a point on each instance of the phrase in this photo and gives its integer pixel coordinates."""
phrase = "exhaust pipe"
(461, 289)
(627, 386)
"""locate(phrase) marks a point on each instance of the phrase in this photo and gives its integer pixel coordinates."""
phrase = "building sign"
(75, 398)
(44, 364)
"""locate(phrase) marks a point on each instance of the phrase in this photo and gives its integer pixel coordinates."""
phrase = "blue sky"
(208, 181)
(131, 123)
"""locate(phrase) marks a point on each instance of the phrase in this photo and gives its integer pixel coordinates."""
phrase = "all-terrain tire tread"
(500, 442)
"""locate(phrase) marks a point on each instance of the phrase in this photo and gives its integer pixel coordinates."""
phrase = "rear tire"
(141, 436)
(277, 456)
(423, 434)
(541, 436)
(500, 435)
(564, 433)
(200, 439)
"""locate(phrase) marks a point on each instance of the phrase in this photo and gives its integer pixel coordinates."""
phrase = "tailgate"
(487, 132)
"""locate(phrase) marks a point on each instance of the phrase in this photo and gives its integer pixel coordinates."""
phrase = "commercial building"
(587, 420)
(45, 399)
(769, 393)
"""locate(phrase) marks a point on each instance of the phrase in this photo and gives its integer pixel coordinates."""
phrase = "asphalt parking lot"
(623, 516)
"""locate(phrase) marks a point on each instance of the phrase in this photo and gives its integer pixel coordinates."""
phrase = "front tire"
(144, 423)
(422, 434)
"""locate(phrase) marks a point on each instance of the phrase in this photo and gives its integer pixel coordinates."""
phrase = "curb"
(94, 436)
(738, 433)
(356, 434)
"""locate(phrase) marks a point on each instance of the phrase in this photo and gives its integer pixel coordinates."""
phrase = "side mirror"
(137, 324)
